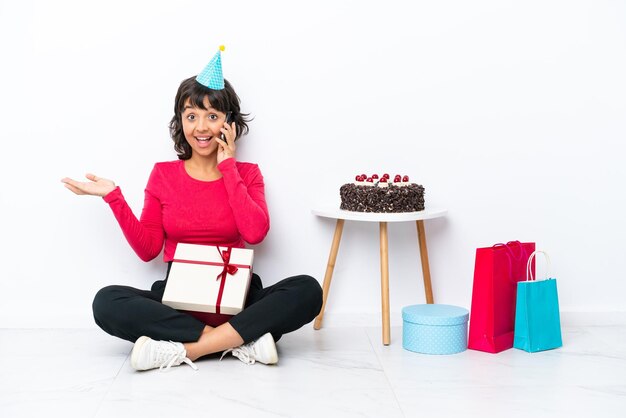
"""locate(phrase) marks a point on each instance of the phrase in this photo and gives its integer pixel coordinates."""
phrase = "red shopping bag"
(496, 273)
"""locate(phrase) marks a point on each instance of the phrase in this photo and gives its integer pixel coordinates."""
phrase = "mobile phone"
(229, 120)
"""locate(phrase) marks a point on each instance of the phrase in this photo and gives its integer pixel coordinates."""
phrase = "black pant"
(129, 313)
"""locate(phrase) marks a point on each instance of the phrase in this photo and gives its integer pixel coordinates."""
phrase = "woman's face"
(201, 127)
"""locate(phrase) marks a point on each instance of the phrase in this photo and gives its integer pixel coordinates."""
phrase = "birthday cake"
(374, 194)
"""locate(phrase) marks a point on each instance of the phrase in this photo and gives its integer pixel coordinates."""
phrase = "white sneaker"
(150, 354)
(262, 350)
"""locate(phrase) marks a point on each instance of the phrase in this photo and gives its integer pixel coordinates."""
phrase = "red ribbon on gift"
(228, 269)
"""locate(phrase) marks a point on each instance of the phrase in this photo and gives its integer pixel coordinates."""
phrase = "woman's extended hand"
(97, 186)
(227, 147)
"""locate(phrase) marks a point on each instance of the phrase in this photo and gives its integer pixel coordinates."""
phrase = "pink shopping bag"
(496, 273)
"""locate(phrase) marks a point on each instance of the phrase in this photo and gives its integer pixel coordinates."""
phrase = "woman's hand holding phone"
(226, 142)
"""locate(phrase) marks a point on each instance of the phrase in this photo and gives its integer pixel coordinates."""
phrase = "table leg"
(332, 257)
(421, 236)
(384, 281)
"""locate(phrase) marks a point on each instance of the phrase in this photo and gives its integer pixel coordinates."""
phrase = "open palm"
(96, 186)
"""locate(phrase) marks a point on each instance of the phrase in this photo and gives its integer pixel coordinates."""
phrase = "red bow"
(228, 268)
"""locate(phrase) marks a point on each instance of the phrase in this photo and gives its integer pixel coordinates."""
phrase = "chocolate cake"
(370, 194)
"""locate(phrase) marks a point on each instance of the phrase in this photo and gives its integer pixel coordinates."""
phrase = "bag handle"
(509, 247)
(529, 273)
(511, 255)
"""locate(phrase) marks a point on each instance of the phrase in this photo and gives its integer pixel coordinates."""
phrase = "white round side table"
(382, 218)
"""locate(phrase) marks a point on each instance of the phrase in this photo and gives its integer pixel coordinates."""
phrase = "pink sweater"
(178, 208)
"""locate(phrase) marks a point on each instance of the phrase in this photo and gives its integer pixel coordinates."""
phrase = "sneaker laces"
(168, 354)
(244, 353)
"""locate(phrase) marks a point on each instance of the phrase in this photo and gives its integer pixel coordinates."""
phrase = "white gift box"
(204, 278)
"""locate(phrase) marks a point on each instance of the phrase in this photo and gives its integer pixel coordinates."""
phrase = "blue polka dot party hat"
(212, 76)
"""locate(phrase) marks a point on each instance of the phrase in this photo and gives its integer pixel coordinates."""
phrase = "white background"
(509, 113)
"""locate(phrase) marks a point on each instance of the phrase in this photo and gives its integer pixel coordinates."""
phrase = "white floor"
(334, 372)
